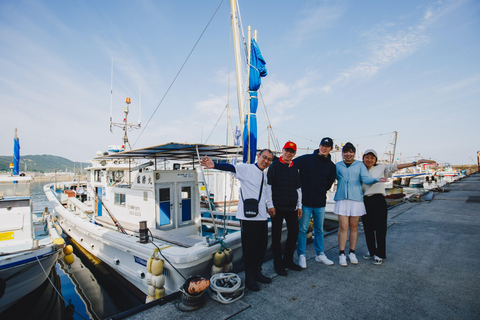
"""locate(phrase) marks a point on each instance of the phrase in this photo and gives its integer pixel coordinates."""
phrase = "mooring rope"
(226, 288)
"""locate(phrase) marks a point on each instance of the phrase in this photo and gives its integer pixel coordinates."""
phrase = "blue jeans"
(318, 218)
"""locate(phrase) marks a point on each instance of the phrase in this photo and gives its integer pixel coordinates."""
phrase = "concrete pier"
(431, 272)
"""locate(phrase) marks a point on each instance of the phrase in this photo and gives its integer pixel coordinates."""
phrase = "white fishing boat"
(146, 202)
(29, 247)
(125, 199)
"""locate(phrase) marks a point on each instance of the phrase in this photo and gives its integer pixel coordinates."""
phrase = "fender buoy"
(69, 258)
(227, 267)
(68, 250)
(216, 270)
(58, 241)
(159, 293)
(219, 258)
(155, 266)
(228, 255)
(148, 278)
(151, 291)
(158, 281)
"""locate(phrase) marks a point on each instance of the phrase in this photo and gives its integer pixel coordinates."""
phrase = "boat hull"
(21, 273)
(124, 254)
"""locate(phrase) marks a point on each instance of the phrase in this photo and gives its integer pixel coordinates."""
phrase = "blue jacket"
(349, 181)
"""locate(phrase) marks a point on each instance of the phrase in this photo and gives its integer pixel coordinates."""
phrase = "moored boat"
(29, 247)
(133, 208)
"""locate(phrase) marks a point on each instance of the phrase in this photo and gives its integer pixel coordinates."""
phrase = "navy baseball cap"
(327, 142)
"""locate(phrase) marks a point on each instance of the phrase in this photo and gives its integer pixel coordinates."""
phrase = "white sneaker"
(342, 260)
(368, 256)
(323, 259)
(302, 261)
(377, 260)
(353, 258)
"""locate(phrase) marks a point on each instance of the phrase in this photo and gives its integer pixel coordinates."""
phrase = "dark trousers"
(375, 224)
(254, 244)
(291, 217)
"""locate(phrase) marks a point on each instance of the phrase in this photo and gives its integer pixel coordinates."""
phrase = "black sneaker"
(281, 271)
(261, 278)
(251, 284)
(292, 266)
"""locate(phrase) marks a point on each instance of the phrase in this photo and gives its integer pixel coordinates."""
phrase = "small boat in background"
(29, 246)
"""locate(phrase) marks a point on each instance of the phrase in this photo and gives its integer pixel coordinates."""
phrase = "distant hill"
(42, 163)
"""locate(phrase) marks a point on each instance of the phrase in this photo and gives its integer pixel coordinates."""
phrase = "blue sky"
(354, 70)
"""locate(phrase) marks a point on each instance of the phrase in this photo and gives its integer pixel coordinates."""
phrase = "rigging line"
(374, 135)
(274, 137)
(178, 73)
(211, 132)
(296, 135)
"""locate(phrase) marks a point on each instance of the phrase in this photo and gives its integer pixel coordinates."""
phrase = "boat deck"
(431, 272)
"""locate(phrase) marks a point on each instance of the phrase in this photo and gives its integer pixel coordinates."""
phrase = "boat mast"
(111, 98)
(125, 125)
(238, 64)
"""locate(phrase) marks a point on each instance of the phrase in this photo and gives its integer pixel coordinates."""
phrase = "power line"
(178, 73)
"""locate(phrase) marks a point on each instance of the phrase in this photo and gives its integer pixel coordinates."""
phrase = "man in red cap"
(284, 201)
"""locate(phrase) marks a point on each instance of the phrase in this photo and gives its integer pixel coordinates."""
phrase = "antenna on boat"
(125, 125)
(111, 97)
(139, 105)
(393, 143)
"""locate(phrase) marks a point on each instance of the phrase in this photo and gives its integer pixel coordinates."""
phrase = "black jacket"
(317, 174)
(285, 181)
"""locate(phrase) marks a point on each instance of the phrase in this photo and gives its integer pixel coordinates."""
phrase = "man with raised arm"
(252, 213)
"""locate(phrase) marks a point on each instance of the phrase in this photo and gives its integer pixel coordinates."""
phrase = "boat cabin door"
(175, 205)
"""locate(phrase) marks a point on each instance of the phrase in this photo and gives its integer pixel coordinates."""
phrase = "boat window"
(186, 203)
(98, 176)
(164, 197)
(120, 199)
(115, 176)
(18, 188)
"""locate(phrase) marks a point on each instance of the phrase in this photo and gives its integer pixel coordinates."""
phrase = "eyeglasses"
(267, 158)
(288, 150)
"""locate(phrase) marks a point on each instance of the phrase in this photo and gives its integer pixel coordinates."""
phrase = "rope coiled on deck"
(226, 287)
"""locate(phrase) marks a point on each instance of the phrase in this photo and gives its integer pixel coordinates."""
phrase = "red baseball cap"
(290, 145)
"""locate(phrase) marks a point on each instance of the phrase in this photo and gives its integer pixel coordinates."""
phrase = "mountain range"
(42, 163)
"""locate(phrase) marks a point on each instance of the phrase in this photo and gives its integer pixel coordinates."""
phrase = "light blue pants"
(318, 218)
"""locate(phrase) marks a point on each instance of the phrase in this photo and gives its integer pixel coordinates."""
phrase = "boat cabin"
(16, 228)
(159, 185)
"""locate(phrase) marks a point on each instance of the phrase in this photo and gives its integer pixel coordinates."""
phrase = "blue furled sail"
(257, 70)
(16, 154)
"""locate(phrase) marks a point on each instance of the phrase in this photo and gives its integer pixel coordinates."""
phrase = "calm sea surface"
(85, 288)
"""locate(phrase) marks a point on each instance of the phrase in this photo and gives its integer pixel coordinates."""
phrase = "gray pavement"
(431, 272)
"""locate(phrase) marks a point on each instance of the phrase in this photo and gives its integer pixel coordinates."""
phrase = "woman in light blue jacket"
(349, 200)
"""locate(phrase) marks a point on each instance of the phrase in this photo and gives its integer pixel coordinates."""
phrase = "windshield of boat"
(14, 189)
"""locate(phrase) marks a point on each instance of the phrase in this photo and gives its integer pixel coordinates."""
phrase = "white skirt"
(349, 208)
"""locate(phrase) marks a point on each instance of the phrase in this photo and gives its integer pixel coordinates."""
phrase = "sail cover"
(16, 155)
(257, 71)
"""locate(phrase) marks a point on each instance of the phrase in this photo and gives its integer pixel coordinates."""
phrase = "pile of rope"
(226, 287)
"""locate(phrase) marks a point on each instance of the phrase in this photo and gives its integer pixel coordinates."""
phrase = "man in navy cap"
(317, 174)
(284, 201)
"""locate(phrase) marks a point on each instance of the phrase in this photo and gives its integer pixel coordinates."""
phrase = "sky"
(353, 70)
